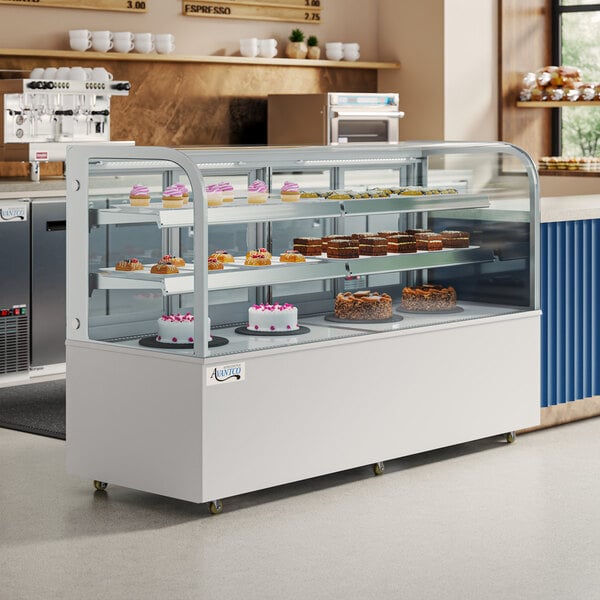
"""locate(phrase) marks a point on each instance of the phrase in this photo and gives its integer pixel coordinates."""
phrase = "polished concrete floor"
(480, 521)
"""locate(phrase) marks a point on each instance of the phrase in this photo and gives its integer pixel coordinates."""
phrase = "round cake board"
(393, 319)
(151, 342)
(245, 331)
(449, 311)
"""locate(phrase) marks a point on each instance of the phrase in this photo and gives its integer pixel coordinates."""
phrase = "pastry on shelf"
(214, 264)
(401, 243)
(214, 196)
(363, 306)
(273, 318)
(308, 246)
(428, 297)
(291, 256)
(257, 192)
(290, 192)
(174, 260)
(139, 195)
(345, 248)
(428, 240)
(334, 236)
(222, 256)
(455, 239)
(259, 251)
(129, 264)
(164, 268)
(258, 259)
(226, 191)
(172, 197)
(372, 246)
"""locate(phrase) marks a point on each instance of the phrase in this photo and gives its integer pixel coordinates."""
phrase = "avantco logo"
(225, 374)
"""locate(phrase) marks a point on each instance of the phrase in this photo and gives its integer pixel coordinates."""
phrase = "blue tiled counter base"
(570, 301)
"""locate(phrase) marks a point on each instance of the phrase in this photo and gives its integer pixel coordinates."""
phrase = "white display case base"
(158, 422)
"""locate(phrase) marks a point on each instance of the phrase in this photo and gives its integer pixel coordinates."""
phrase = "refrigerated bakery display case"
(300, 312)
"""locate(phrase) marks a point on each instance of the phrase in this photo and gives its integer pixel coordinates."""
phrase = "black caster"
(100, 485)
(215, 507)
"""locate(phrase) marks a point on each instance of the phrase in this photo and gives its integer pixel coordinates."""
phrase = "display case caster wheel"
(100, 485)
(378, 468)
(215, 507)
(511, 437)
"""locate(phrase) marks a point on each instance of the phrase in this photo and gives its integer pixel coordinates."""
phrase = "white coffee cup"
(50, 73)
(123, 41)
(37, 73)
(267, 48)
(101, 74)
(164, 43)
(80, 42)
(334, 50)
(77, 74)
(351, 51)
(102, 41)
(143, 42)
(249, 47)
(63, 73)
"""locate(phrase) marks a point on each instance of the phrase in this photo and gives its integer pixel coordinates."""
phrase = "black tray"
(331, 317)
(245, 331)
(450, 311)
(151, 342)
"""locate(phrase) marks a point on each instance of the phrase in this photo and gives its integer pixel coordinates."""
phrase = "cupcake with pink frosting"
(172, 197)
(214, 197)
(290, 192)
(185, 192)
(257, 192)
(226, 191)
(139, 195)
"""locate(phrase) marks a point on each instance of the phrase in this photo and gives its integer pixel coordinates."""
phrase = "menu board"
(135, 6)
(301, 11)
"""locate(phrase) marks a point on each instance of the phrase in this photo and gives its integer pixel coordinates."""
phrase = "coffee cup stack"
(267, 48)
(143, 42)
(249, 47)
(351, 51)
(123, 41)
(164, 43)
(80, 40)
(102, 41)
(334, 50)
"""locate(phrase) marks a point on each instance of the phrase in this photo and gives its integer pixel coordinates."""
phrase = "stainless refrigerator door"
(48, 282)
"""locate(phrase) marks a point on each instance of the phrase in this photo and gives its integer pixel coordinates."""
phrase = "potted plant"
(314, 51)
(296, 47)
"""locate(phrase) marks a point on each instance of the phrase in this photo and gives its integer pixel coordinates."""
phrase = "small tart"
(164, 269)
(259, 251)
(292, 256)
(222, 256)
(215, 264)
(174, 260)
(129, 264)
(258, 260)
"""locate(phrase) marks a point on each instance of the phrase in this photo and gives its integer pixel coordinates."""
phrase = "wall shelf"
(553, 104)
(568, 173)
(177, 58)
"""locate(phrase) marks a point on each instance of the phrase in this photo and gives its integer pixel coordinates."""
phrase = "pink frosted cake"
(290, 192)
(177, 329)
(226, 191)
(257, 192)
(273, 317)
(214, 196)
(139, 195)
(185, 192)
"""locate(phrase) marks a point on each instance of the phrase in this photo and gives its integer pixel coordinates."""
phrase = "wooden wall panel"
(525, 45)
(182, 104)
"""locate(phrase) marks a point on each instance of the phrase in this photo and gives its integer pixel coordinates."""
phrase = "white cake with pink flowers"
(177, 329)
(273, 318)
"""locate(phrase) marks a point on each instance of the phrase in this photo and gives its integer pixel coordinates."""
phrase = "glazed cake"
(372, 246)
(345, 248)
(401, 243)
(309, 246)
(455, 239)
(363, 306)
(177, 329)
(291, 256)
(428, 297)
(273, 318)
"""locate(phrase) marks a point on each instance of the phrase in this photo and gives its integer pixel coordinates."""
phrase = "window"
(576, 38)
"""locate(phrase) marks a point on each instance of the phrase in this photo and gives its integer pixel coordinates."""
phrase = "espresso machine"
(41, 117)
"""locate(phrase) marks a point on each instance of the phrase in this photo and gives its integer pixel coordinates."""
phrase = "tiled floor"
(480, 521)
